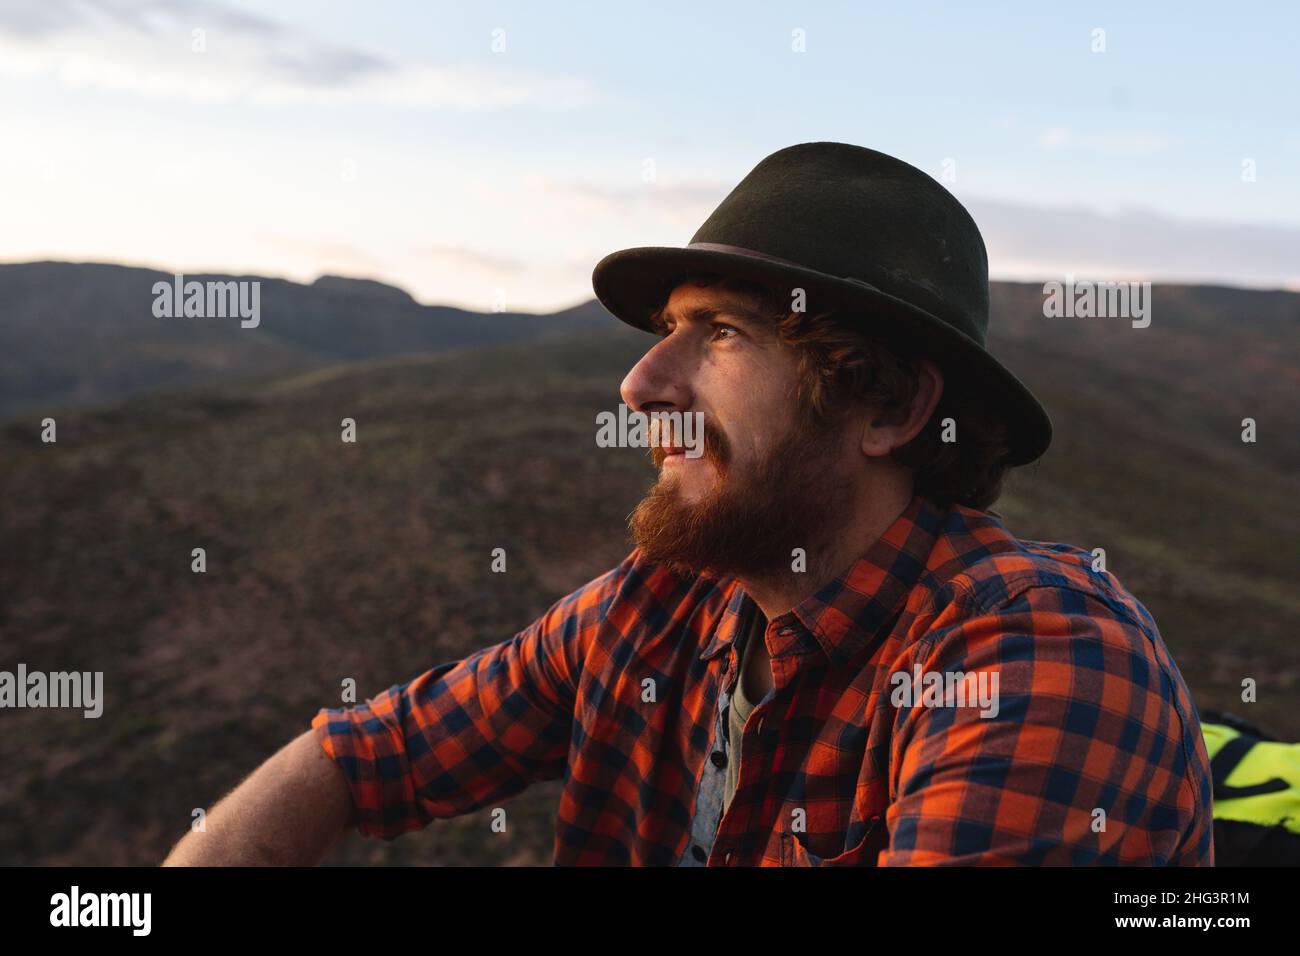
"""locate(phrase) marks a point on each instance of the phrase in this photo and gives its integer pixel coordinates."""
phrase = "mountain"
(78, 333)
(371, 561)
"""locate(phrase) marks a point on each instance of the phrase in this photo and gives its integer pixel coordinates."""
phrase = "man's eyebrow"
(704, 313)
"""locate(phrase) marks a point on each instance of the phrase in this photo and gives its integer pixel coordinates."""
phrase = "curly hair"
(842, 365)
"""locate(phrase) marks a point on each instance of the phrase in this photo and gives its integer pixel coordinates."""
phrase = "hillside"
(371, 561)
(80, 333)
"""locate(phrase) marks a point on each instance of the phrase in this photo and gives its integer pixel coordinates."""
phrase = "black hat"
(856, 230)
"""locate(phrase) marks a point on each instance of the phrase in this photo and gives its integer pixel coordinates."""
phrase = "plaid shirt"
(1094, 756)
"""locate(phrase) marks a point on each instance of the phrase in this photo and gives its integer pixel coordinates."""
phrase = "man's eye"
(719, 328)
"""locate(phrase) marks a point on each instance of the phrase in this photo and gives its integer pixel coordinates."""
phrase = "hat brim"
(632, 283)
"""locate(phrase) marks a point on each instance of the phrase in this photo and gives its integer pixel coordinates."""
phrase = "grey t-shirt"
(741, 706)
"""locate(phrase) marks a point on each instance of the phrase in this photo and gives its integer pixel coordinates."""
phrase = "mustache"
(716, 447)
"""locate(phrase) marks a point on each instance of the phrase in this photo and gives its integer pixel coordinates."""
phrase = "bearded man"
(767, 678)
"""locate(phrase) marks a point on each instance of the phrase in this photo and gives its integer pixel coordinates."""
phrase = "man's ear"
(880, 436)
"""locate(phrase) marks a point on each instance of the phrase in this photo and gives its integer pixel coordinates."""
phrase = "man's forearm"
(289, 812)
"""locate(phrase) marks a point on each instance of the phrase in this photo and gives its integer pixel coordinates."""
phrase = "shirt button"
(719, 759)
(727, 858)
(699, 854)
(786, 631)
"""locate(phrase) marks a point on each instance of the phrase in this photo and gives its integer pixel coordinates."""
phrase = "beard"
(750, 521)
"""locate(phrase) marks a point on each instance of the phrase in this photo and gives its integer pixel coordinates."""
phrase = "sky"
(488, 154)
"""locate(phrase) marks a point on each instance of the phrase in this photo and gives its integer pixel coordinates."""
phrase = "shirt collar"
(848, 613)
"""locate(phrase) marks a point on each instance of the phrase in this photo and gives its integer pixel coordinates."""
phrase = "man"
(824, 649)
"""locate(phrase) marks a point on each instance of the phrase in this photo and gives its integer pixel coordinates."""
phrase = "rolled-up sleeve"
(1092, 756)
(468, 733)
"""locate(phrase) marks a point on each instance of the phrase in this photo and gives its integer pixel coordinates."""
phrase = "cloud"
(201, 50)
(1050, 241)
(1107, 144)
(462, 258)
(686, 203)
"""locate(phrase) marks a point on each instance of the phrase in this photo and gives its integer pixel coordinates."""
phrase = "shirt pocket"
(795, 853)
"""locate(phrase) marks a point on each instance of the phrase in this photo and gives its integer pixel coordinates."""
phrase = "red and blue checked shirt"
(1094, 756)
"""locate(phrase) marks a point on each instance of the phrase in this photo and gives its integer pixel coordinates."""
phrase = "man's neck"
(831, 556)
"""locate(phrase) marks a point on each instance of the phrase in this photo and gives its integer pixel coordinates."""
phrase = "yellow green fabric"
(1266, 765)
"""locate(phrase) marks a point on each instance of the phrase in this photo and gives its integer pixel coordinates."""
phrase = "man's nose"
(658, 381)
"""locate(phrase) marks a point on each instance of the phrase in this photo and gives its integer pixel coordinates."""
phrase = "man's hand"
(289, 812)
